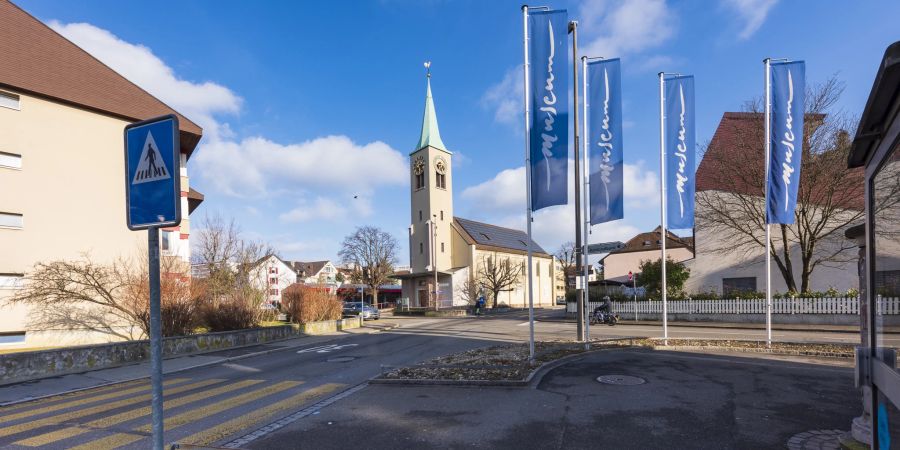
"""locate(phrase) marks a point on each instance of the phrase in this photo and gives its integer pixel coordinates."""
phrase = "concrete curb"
(701, 348)
(183, 369)
(749, 326)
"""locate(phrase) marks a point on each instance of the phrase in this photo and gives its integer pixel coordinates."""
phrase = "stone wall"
(25, 366)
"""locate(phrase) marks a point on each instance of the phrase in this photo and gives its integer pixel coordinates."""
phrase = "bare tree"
(499, 275)
(471, 291)
(566, 257)
(829, 199)
(372, 253)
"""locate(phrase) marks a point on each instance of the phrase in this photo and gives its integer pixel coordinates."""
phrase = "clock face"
(440, 165)
(419, 165)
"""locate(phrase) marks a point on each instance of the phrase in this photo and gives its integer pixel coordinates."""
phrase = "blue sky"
(305, 105)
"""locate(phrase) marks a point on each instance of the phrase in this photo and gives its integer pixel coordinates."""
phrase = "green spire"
(430, 133)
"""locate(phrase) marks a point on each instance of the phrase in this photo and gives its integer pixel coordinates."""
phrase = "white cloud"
(255, 166)
(197, 101)
(328, 209)
(752, 12)
(505, 97)
(625, 27)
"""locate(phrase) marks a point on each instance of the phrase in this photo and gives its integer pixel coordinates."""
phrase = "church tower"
(431, 192)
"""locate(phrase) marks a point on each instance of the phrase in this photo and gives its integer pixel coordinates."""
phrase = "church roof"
(430, 135)
(488, 235)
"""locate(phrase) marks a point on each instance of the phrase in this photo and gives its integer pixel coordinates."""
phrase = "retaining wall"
(25, 366)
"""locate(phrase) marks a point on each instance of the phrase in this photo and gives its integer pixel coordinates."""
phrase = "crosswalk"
(197, 411)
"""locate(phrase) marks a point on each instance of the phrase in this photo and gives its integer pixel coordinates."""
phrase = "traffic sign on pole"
(153, 173)
(630, 275)
(153, 200)
(604, 247)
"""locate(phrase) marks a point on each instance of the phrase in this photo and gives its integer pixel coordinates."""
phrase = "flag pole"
(528, 191)
(587, 220)
(662, 197)
(580, 259)
(768, 148)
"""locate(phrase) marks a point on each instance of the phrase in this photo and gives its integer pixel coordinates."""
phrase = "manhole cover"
(621, 380)
(341, 359)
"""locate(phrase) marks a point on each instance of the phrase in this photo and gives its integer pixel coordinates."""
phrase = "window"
(734, 286)
(486, 237)
(420, 180)
(273, 291)
(8, 100)
(441, 180)
(420, 215)
(421, 248)
(10, 160)
(12, 337)
(442, 214)
(166, 240)
(273, 280)
(646, 243)
(11, 280)
(273, 270)
(442, 247)
(11, 220)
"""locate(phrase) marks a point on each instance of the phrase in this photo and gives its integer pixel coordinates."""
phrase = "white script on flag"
(681, 153)
(605, 141)
(786, 168)
(549, 100)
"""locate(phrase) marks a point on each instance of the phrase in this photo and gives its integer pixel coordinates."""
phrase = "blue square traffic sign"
(153, 173)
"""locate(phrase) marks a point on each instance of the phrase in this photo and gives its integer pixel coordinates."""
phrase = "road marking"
(82, 401)
(62, 418)
(120, 439)
(106, 422)
(314, 409)
(326, 348)
(525, 323)
(207, 437)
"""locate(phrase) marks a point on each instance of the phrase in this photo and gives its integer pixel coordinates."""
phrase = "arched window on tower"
(441, 180)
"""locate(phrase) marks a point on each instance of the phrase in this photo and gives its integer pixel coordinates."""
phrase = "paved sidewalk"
(31, 390)
(688, 400)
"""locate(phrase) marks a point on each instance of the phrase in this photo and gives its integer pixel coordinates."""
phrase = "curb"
(183, 369)
(726, 327)
(700, 348)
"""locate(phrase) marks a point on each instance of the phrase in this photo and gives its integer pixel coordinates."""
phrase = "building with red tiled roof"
(62, 118)
(645, 246)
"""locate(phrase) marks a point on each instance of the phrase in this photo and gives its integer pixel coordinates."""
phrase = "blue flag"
(786, 122)
(604, 136)
(549, 102)
(679, 92)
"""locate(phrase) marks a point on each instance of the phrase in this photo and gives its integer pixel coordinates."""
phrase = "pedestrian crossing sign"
(152, 173)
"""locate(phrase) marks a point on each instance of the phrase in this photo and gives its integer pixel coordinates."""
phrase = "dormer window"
(646, 243)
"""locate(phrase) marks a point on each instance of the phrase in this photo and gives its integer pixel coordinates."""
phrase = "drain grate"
(341, 359)
(621, 380)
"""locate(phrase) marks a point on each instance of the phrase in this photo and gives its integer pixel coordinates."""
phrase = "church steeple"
(430, 133)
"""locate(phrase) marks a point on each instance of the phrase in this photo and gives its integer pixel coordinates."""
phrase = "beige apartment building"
(62, 117)
(452, 249)
(644, 247)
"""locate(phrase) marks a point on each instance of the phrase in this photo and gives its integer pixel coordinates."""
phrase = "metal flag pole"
(528, 192)
(584, 204)
(156, 373)
(662, 197)
(580, 255)
(768, 147)
(437, 288)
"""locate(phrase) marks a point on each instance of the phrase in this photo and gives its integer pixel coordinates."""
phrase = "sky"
(310, 109)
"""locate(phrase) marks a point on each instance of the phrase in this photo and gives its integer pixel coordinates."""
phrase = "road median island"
(508, 365)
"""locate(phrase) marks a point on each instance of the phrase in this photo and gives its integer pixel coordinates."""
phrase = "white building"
(273, 275)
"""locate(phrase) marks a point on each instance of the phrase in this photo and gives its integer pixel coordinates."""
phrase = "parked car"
(351, 309)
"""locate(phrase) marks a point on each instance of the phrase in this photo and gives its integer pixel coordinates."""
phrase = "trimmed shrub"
(309, 304)
(228, 315)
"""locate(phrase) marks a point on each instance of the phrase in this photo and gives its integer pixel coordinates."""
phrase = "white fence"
(834, 305)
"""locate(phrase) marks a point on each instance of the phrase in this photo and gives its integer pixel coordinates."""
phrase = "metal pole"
(156, 373)
(662, 197)
(634, 286)
(579, 255)
(528, 191)
(768, 65)
(584, 204)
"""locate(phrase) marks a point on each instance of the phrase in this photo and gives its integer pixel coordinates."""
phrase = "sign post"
(152, 200)
(633, 281)
(604, 247)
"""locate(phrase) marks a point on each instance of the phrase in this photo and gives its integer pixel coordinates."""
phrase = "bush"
(227, 315)
(309, 304)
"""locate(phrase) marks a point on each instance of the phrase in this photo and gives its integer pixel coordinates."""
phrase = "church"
(448, 254)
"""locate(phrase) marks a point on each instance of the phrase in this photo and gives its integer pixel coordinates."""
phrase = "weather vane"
(427, 69)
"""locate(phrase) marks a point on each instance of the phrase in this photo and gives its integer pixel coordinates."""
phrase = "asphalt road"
(217, 404)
